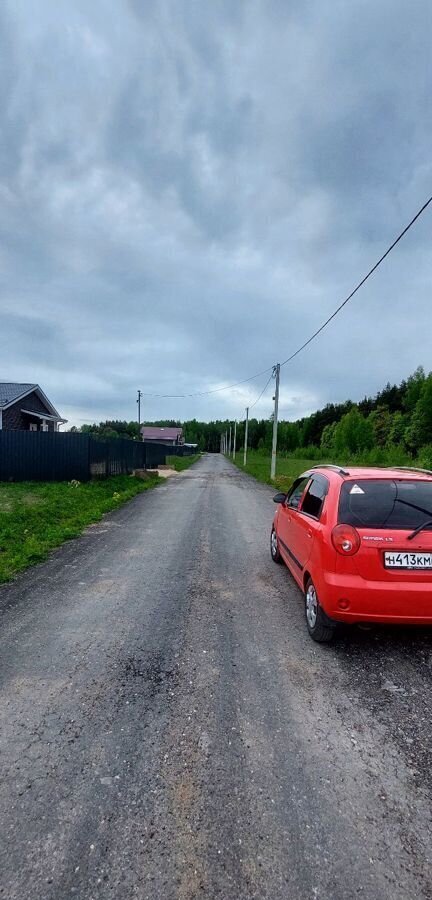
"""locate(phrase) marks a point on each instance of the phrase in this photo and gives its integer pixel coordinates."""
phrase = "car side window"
(313, 500)
(296, 492)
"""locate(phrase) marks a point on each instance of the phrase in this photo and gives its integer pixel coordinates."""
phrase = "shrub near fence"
(54, 456)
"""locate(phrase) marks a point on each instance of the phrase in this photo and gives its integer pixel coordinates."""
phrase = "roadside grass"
(36, 517)
(287, 469)
(180, 463)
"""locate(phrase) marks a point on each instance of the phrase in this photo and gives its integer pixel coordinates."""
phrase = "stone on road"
(169, 730)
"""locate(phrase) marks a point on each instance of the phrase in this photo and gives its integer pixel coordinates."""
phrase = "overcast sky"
(188, 189)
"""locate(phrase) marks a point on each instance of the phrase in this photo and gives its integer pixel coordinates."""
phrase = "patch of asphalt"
(168, 730)
(389, 671)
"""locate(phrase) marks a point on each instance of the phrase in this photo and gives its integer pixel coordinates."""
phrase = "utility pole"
(276, 373)
(246, 436)
(229, 445)
(235, 437)
(139, 413)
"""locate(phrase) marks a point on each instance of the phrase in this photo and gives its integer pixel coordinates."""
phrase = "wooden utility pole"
(235, 438)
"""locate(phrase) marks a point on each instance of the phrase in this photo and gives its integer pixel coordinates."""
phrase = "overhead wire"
(227, 387)
(316, 333)
(262, 392)
(359, 285)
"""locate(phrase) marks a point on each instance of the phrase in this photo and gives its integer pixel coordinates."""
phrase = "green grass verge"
(287, 470)
(180, 463)
(35, 516)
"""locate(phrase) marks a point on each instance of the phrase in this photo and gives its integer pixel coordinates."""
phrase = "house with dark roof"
(172, 437)
(25, 407)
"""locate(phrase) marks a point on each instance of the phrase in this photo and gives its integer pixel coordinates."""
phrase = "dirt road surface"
(169, 731)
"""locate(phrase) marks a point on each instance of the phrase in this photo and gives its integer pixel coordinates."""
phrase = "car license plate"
(408, 560)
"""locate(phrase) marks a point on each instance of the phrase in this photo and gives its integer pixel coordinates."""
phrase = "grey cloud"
(26, 330)
(187, 191)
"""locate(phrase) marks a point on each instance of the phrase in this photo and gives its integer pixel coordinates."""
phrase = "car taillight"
(345, 539)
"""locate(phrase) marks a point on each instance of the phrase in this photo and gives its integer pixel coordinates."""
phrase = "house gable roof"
(12, 391)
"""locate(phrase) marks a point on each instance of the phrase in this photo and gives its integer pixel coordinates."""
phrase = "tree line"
(394, 425)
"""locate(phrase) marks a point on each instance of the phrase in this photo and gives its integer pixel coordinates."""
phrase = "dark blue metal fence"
(43, 456)
(53, 456)
(115, 457)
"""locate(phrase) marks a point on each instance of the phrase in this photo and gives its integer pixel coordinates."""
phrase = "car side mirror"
(279, 498)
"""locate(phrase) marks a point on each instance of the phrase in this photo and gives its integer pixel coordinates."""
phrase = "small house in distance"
(172, 437)
(25, 407)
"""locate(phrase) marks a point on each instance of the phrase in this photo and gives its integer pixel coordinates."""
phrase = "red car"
(359, 545)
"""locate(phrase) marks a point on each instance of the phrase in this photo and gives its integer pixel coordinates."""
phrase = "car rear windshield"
(375, 503)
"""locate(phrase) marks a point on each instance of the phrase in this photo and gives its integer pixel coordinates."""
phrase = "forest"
(393, 427)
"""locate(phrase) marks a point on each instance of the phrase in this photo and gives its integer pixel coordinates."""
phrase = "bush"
(310, 452)
(379, 456)
(425, 457)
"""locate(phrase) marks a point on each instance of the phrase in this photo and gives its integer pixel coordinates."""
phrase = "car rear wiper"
(419, 529)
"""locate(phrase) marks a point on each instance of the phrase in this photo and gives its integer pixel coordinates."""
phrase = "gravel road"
(169, 731)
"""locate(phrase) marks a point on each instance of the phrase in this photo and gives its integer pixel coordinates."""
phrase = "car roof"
(359, 472)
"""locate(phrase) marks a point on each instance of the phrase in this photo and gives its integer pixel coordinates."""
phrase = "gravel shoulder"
(168, 730)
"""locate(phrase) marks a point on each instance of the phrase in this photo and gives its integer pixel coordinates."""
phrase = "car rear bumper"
(376, 601)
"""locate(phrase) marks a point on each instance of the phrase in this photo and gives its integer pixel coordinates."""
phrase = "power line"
(227, 387)
(316, 333)
(359, 285)
(262, 392)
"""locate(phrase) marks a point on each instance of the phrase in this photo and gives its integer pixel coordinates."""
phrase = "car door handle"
(309, 533)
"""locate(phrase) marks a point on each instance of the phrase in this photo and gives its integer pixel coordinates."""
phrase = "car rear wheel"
(274, 547)
(320, 627)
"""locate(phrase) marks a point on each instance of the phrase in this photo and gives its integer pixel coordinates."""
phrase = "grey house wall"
(13, 419)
